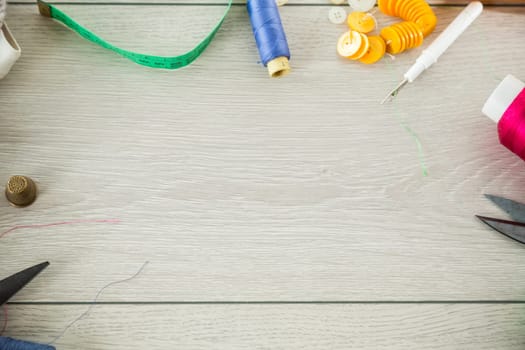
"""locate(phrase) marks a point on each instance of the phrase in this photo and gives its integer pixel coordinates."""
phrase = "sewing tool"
(172, 62)
(439, 45)
(511, 229)
(20, 191)
(269, 36)
(506, 106)
(8, 288)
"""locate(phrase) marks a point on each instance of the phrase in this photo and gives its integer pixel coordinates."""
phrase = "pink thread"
(4, 327)
(511, 127)
(19, 227)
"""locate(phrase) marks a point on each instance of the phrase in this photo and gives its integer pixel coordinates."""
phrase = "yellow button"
(392, 40)
(416, 32)
(361, 21)
(382, 5)
(391, 7)
(410, 4)
(365, 44)
(349, 43)
(427, 23)
(376, 50)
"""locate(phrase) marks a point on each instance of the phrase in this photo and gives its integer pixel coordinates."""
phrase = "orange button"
(365, 44)
(427, 23)
(376, 50)
(382, 4)
(361, 21)
(392, 40)
(416, 32)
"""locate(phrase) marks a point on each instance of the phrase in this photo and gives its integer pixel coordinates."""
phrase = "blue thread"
(268, 30)
(13, 344)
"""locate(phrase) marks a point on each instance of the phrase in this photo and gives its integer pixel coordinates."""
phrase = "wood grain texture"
(238, 187)
(242, 2)
(275, 327)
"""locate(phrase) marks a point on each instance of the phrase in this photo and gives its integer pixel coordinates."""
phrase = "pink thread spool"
(506, 106)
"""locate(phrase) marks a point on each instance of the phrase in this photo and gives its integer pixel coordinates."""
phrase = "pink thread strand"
(62, 223)
(511, 127)
(4, 327)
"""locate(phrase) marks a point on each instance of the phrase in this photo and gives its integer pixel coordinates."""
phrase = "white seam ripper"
(430, 55)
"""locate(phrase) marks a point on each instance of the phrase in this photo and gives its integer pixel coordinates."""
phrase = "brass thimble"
(20, 191)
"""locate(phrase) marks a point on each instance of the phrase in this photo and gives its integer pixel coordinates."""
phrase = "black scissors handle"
(13, 284)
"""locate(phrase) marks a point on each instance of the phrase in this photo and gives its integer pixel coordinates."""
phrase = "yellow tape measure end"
(44, 9)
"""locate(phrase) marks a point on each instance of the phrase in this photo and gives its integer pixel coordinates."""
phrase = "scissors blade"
(511, 229)
(13, 284)
(515, 210)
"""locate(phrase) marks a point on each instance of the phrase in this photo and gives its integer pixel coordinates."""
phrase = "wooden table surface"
(274, 214)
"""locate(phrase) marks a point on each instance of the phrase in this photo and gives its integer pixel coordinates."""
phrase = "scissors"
(8, 288)
(513, 229)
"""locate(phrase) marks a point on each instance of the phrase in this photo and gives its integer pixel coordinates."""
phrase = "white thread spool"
(9, 49)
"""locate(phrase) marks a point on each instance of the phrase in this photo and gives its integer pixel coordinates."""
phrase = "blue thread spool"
(269, 36)
(13, 344)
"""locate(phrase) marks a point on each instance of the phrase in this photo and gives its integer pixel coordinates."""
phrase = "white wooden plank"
(238, 187)
(274, 327)
(241, 2)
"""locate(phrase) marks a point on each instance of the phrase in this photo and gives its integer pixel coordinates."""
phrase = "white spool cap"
(502, 97)
(9, 51)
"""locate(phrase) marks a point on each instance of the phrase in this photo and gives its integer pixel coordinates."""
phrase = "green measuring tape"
(173, 62)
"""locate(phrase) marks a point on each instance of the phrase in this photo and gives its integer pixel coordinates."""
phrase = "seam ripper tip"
(430, 55)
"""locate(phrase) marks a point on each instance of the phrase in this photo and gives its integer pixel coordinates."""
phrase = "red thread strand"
(74, 222)
(511, 127)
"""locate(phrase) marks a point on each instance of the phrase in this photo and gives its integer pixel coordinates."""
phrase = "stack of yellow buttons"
(356, 45)
(402, 36)
(417, 11)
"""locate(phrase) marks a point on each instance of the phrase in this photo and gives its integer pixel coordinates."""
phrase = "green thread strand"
(412, 133)
(420, 152)
(163, 62)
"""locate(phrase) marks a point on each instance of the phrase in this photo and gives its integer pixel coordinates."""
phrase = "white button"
(349, 43)
(281, 2)
(362, 5)
(337, 15)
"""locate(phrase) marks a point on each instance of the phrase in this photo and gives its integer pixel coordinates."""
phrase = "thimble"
(20, 191)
